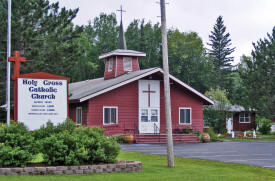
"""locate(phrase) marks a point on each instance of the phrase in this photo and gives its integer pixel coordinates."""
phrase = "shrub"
(213, 136)
(118, 138)
(187, 130)
(63, 149)
(100, 148)
(82, 145)
(47, 130)
(198, 134)
(17, 145)
(264, 126)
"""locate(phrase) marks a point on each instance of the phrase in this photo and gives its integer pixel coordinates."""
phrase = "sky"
(246, 20)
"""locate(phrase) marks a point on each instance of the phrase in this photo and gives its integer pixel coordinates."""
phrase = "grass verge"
(155, 169)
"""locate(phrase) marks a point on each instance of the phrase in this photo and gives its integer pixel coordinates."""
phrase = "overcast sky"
(246, 20)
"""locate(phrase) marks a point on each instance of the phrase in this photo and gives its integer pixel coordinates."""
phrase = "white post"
(8, 63)
(167, 99)
(254, 134)
(233, 134)
(244, 134)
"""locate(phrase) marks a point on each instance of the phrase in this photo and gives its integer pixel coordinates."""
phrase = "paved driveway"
(253, 153)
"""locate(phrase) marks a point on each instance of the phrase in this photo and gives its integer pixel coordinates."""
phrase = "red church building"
(128, 100)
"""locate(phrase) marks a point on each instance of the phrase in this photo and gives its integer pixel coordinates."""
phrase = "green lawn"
(155, 169)
(262, 138)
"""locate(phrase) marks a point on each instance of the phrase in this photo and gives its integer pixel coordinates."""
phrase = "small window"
(144, 115)
(154, 115)
(244, 118)
(110, 115)
(185, 115)
(79, 116)
(127, 63)
(110, 65)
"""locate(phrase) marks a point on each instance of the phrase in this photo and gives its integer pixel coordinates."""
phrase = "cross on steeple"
(17, 60)
(121, 11)
(149, 91)
(121, 39)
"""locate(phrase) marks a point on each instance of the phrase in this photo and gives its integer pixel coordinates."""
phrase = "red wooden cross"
(149, 94)
(17, 60)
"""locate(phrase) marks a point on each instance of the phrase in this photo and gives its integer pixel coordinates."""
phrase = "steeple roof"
(121, 38)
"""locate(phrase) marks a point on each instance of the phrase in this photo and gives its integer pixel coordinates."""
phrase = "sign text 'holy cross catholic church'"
(41, 100)
(38, 97)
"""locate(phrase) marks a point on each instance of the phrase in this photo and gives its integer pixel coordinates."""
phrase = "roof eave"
(121, 54)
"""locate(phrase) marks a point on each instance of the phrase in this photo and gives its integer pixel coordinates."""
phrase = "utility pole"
(8, 63)
(169, 138)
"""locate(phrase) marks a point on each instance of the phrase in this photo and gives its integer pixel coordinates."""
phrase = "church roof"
(123, 52)
(84, 90)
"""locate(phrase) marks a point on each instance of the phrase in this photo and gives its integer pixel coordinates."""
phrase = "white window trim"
(244, 122)
(76, 116)
(124, 58)
(116, 114)
(190, 115)
(109, 61)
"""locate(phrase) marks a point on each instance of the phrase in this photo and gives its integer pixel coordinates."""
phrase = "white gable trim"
(119, 85)
(190, 88)
(144, 75)
(122, 54)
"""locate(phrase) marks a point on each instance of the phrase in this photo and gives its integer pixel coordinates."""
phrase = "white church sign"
(41, 100)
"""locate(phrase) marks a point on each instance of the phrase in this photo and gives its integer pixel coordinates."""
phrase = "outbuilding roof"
(221, 106)
(84, 90)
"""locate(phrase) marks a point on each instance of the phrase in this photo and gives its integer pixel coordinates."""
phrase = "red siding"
(108, 75)
(126, 99)
(118, 67)
(237, 126)
(84, 106)
(181, 98)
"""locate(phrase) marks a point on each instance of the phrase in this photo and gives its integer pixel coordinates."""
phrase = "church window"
(144, 115)
(110, 115)
(127, 63)
(78, 115)
(110, 65)
(184, 115)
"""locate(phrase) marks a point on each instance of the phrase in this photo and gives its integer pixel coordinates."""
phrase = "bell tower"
(121, 60)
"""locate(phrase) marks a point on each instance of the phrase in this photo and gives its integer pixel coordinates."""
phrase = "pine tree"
(220, 52)
(258, 76)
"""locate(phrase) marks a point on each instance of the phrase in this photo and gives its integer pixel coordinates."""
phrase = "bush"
(118, 138)
(213, 136)
(100, 148)
(187, 130)
(16, 156)
(47, 130)
(63, 149)
(264, 126)
(78, 146)
(17, 145)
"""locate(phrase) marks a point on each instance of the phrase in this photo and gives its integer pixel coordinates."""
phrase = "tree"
(43, 33)
(220, 52)
(215, 115)
(258, 76)
(145, 38)
(188, 60)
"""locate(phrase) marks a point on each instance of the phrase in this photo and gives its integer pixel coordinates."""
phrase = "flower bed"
(120, 166)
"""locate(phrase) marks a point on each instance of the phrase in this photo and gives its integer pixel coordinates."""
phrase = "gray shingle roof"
(220, 106)
(85, 88)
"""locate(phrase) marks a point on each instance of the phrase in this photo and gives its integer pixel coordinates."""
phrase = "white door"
(149, 120)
